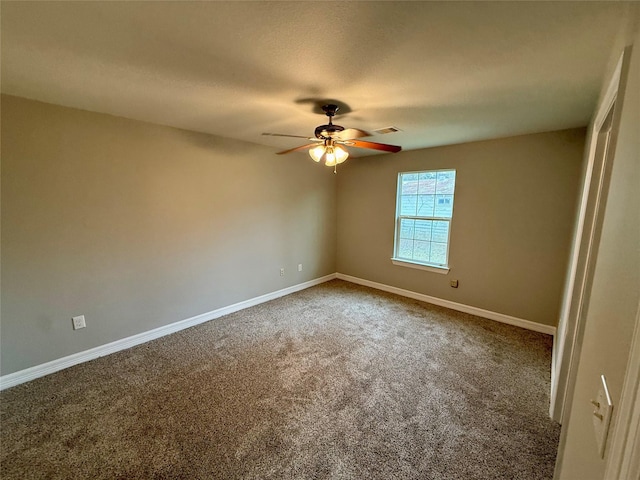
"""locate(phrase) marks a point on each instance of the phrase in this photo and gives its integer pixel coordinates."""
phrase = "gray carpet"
(334, 382)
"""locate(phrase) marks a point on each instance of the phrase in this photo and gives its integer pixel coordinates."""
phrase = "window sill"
(420, 266)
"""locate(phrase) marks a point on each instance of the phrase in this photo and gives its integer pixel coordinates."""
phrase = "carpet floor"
(337, 381)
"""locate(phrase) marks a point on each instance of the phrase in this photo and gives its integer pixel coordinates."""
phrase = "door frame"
(568, 341)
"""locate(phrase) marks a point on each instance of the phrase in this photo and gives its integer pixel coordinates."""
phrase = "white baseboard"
(499, 317)
(22, 376)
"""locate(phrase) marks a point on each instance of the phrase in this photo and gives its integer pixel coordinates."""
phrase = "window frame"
(406, 262)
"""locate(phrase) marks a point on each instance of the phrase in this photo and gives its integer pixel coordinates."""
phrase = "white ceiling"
(442, 72)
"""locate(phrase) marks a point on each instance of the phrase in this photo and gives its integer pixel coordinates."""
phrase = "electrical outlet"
(454, 283)
(299, 267)
(282, 272)
(79, 322)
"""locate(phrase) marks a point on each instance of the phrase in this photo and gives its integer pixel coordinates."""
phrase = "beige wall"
(615, 293)
(137, 226)
(515, 202)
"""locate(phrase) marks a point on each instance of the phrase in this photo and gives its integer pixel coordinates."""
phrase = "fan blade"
(351, 133)
(285, 135)
(302, 147)
(375, 146)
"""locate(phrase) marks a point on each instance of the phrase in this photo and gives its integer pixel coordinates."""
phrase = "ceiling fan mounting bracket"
(330, 109)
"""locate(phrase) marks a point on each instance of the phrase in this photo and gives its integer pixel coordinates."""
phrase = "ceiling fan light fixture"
(316, 153)
(331, 154)
(330, 157)
(341, 154)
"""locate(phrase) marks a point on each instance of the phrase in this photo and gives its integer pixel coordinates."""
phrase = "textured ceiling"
(442, 72)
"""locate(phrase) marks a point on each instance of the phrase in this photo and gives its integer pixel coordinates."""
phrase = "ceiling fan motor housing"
(327, 131)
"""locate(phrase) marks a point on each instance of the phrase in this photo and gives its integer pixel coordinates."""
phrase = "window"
(424, 209)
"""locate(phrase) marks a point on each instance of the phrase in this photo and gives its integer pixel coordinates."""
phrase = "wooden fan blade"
(350, 133)
(375, 146)
(284, 135)
(302, 147)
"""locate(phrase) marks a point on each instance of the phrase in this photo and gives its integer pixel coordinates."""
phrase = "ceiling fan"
(329, 139)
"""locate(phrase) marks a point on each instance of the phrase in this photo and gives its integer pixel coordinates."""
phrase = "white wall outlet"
(299, 267)
(602, 408)
(79, 322)
(282, 272)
